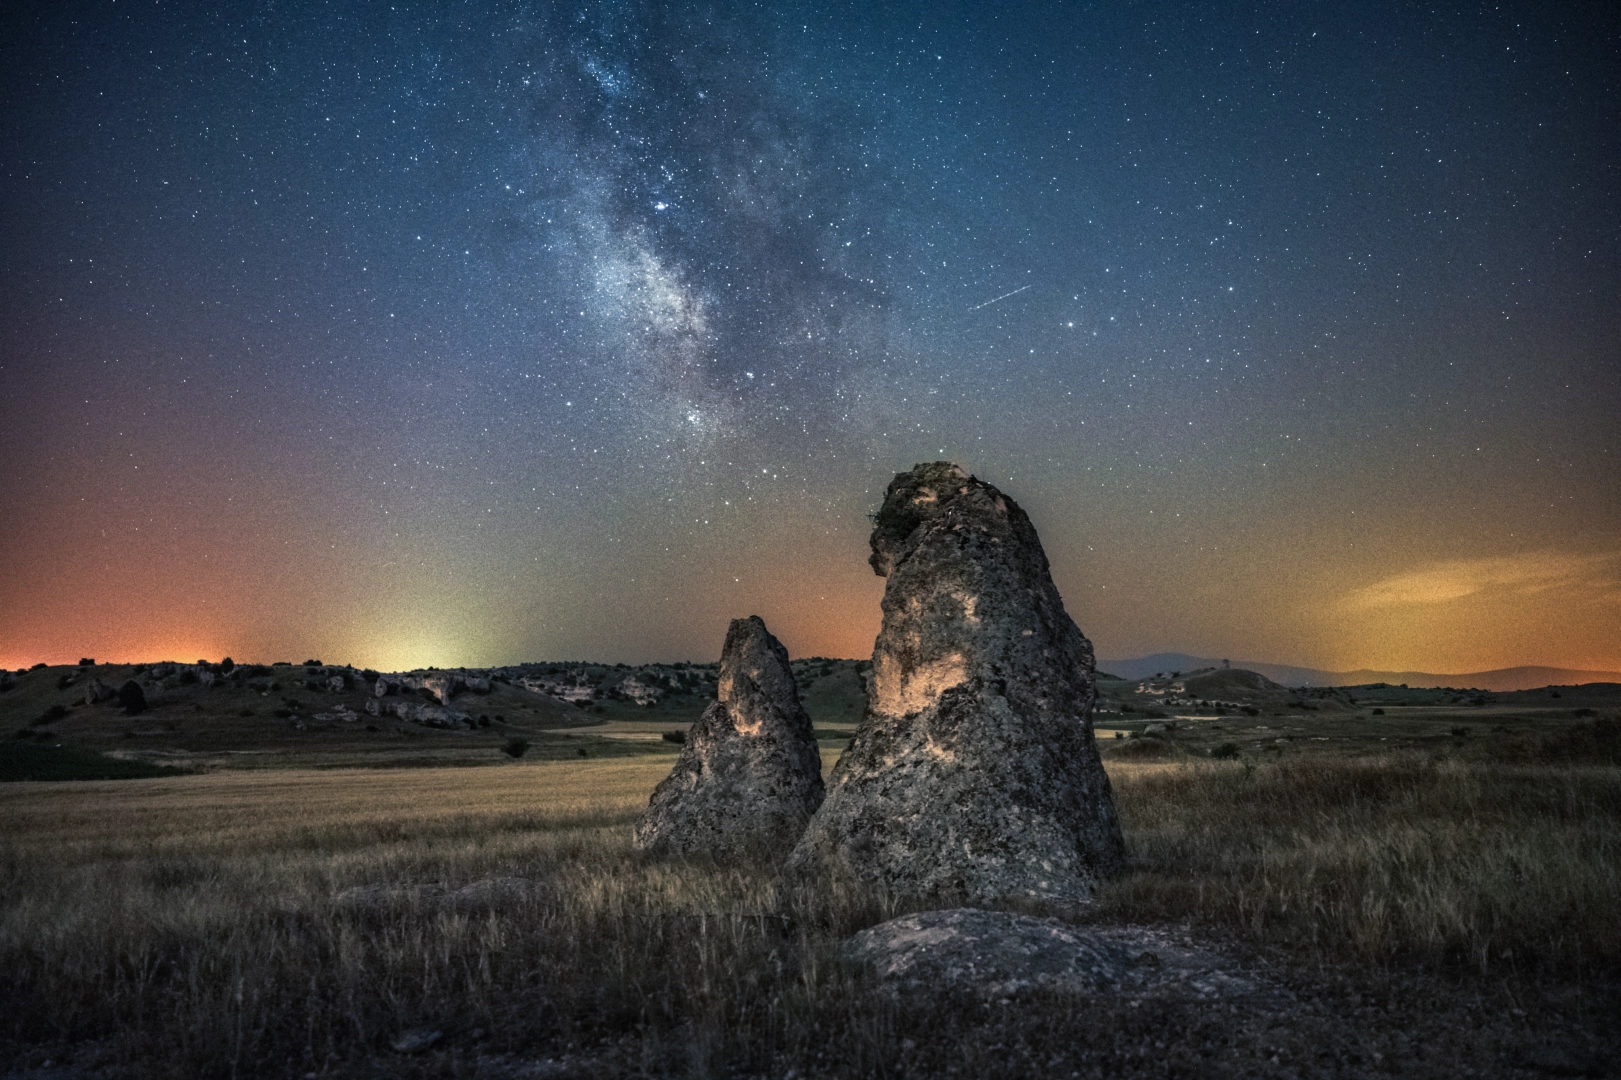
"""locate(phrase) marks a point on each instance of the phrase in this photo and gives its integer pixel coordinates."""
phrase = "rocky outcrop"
(749, 775)
(442, 685)
(997, 954)
(973, 774)
(416, 712)
(96, 691)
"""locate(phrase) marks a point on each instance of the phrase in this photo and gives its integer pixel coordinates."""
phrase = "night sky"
(480, 333)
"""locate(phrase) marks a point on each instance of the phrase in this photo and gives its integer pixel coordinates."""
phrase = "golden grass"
(1384, 857)
(201, 925)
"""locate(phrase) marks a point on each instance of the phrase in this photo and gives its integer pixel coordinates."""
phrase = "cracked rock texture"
(973, 776)
(750, 774)
(996, 954)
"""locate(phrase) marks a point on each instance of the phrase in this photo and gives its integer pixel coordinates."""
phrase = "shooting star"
(1004, 296)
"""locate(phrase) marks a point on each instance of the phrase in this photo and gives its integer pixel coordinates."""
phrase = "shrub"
(86, 661)
(312, 663)
(677, 737)
(132, 697)
(1251, 710)
(188, 678)
(41, 664)
(227, 666)
(1378, 712)
(1225, 751)
(515, 747)
(51, 715)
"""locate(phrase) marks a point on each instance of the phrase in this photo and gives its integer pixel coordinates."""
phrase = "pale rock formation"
(973, 774)
(749, 775)
(997, 954)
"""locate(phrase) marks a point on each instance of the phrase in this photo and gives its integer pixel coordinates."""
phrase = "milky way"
(423, 336)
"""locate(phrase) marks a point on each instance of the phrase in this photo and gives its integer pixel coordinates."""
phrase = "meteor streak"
(1004, 296)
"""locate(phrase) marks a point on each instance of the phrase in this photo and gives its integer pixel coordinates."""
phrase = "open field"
(1431, 914)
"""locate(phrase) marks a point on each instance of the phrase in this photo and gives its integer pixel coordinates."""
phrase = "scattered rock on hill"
(973, 773)
(96, 691)
(996, 954)
(750, 774)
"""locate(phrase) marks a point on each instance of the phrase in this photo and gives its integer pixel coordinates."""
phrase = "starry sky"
(490, 332)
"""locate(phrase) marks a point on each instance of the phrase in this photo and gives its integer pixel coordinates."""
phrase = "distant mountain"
(1502, 679)
(1145, 666)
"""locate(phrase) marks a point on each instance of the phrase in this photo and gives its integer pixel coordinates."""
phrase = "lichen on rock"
(750, 775)
(973, 774)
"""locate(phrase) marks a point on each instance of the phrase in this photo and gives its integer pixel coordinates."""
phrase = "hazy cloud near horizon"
(1533, 572)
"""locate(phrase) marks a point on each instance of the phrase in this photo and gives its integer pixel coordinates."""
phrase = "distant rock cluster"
(973, 774)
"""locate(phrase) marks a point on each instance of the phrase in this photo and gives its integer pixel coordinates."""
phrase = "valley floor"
(1429, 914)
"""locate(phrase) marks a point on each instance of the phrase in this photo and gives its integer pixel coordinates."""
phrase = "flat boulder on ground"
(750, 775)
(997, 954)
(973, 776)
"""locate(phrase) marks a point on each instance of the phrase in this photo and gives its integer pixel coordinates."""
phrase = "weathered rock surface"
(96, 691)
(973, 774)
(996, 954)
(750, 774)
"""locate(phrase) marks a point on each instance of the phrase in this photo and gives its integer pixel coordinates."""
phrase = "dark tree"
(132, 697)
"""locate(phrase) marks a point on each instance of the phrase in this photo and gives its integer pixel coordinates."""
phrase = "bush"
(515, 747)
(1378, 712)
(227, 666)
(86, 661)
(188, 678)
(312, 663)
(1226, 751)
(677, 737)
(51, 715)
(132, 697)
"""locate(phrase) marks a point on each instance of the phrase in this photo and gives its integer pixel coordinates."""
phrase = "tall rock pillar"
(973, 775)
(750, 773)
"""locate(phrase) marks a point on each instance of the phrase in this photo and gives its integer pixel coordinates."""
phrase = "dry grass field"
(1431, 914)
